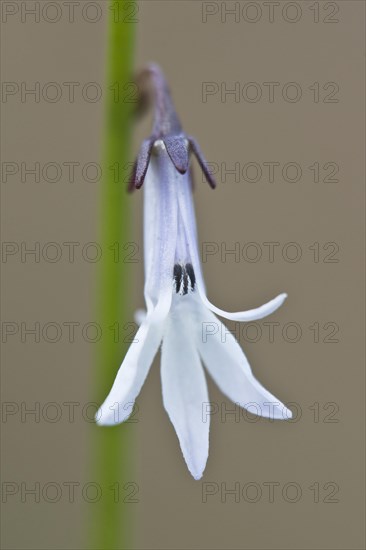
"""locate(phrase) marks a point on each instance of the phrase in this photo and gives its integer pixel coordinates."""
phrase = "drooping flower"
(177, 305)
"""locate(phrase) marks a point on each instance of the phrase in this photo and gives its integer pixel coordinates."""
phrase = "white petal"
(250, 314)
(160, 228)
(186, 212)
(118, 406)
(228, 366)
(185, 390)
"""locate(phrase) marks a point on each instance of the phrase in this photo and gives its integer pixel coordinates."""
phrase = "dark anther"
(177, 277)
(184, 278)
(191, 275)
(185, 282)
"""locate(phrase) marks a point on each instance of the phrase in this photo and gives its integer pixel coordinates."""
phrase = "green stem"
(111, 525)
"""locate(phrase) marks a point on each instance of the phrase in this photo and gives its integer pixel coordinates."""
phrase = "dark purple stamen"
(177, 276)
(191, 275)
(184, 278)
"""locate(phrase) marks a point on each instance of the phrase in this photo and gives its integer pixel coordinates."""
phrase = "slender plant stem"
(111, 525)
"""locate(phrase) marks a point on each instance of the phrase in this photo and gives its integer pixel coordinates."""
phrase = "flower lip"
(178, 151)
(166, 128)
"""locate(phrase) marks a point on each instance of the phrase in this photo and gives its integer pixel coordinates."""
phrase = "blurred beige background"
(314, 465)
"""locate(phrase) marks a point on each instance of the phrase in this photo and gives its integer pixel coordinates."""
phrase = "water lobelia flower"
(177, 305)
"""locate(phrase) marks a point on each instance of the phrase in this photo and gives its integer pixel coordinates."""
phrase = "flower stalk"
(111, 523)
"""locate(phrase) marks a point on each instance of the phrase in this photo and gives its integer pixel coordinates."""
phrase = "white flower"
(177, 305)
